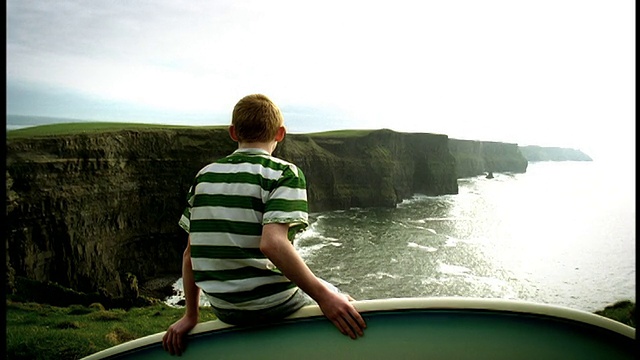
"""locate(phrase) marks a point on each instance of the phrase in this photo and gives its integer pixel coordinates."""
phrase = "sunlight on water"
(563, 233)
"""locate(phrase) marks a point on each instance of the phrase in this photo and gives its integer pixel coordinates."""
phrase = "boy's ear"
(281, 133)
(232, 133)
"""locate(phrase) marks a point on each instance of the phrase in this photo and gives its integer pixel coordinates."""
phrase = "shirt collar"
(252, 151)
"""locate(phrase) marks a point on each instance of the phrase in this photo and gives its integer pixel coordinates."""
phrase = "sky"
(544, 72)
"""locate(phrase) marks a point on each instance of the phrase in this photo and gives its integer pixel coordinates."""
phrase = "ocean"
(563, 233)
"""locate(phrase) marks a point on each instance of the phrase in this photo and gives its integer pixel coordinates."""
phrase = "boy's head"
(256, 119)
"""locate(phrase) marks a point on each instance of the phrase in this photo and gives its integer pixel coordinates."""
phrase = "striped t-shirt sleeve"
(185, 218)
(287, 202)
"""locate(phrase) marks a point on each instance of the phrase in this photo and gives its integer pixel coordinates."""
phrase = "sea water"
(563, 233)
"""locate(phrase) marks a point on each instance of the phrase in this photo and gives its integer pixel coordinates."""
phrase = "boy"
(243, 213)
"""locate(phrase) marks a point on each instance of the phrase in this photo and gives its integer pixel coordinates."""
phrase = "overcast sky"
(543, 72)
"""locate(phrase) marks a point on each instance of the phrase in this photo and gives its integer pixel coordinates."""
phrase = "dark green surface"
(415, 334)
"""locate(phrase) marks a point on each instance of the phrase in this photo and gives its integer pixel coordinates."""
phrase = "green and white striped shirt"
(229, 202)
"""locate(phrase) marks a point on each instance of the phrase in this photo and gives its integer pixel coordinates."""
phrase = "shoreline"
(159, 288)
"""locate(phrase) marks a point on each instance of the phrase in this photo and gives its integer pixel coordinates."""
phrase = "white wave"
(321, 238)
(309, 232)
(453, 269)
(306, 251)
(453, 242)
(379, 275)
(414, 199)
(178, 295)
(312, 232)
(400, 223)
(421, 247)
(415, 226)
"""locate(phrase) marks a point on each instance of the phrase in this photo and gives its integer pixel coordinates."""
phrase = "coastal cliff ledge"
(87, 210)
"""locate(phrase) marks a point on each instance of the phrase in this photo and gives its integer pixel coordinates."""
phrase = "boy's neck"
(267, 146)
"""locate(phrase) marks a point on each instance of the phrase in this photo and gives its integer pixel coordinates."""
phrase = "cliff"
(85, 210)
(477, 157)
(370, 168)
(539, 153)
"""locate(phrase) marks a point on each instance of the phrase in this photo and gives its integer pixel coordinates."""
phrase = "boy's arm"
(336, 307)
(173, 340)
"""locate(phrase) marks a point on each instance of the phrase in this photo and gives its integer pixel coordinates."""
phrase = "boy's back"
(230, 201)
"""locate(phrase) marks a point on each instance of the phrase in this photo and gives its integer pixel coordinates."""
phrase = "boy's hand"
(337, 308)
(173, 340)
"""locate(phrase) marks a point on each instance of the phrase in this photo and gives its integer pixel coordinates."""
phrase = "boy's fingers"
(346, 328)
(354, 323)
(166, 342)
(337, 324)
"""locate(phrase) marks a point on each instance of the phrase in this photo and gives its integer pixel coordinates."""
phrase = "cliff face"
(477, 157)
(84, 210)
(380, 168)
(538, 153)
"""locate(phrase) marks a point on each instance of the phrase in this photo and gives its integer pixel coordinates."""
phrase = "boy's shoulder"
(259, 156)
(291, 166)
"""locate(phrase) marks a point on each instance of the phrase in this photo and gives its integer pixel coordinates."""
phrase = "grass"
(38, 331)
(103, 127)
(622, 311)
(100, 126)
(341, 133)
(92, 127)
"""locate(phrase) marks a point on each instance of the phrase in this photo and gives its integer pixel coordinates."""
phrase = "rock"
(131, 287)
(159, 288)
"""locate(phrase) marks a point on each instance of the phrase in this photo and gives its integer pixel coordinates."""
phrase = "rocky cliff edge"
(88, 210)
